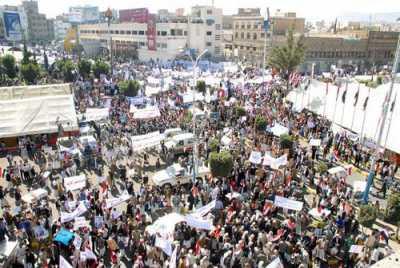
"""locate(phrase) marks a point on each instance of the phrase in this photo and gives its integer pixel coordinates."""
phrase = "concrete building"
(205, 31)
(132, 38)
(248, 36)
(83, 14)
(60, 29)
(372, 48)
(38, 28)
(283, 22)
(227, 33)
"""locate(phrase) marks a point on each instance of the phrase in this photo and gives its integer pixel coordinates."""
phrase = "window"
(262, 35)
(179, 32)
(254, 48)
(217, 37)
(208, 44)
(185, 33)
(254, 36)
(209, 12)
(116, 32)
(172, 32)
(163, 33)
(158, 33)
(134, 32)
(111, 32)
(141, 44)
(248, 26)
(163, 45)
(242, 35)
(209, 33)
(236, 35)
(141, 32)
(256, 26)
(242, 26)
(122, 32)
(248, 36)
(128, 32)
(237, 26)
(217, 26)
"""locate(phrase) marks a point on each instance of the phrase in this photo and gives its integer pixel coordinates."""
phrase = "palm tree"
(287, 57)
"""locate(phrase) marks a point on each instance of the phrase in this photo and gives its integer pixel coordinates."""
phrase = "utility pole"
(385, 109)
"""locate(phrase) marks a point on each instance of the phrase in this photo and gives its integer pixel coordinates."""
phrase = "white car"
(181, 143)
(174, 173)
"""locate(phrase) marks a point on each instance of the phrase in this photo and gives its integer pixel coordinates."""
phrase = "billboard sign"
(151, 33)
(12, 26)
(139, 15)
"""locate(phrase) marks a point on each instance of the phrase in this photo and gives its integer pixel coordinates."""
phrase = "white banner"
(198, 223)
(315, 142)
(276, 263)
(255, 157)
(64, 263)
(164, 244)
(77, 242)
(172, 261)
(66, 217)
(75, 183)
(288, 203)
(356, 249)
(115, 201)
(165, 226)
(145, 113)
(201, 212)
(141, 142)
(274, 163)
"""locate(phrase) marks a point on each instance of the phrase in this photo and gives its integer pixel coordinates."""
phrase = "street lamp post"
(194, 63)
(109, 17)
(371, 174)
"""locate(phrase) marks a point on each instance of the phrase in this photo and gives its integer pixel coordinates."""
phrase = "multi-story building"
(282, 22)
(227, 33)
(205, 30)
(370, 48)
(38, 28)
(83, 14)
(130, 37)
(60, 29)
(248, 36)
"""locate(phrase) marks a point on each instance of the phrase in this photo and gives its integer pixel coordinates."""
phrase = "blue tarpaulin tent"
(64, 237)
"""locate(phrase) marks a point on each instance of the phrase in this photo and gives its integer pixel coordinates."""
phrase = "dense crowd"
(249, 230)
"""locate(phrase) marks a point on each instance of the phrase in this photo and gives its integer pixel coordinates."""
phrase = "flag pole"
(334, 111)
(363, 123)
(326, 98)
(344, 103)
(371, 174)
(355, 108)
(388, 130)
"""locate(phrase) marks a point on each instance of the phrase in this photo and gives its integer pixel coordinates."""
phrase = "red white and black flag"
(393, 103)
(356, 96)
(365, 103)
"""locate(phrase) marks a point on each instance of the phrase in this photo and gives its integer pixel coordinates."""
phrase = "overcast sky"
(310, 9)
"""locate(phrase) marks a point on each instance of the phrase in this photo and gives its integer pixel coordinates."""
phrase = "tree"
(286, 141)
(29, 72)
(367, 215)
(129, 88)
(287, 57)
(201, 86)
(26, 55)
(260, 123)
(240, 111)
(68, 71)
(8, 62)
(84, 67)
(221, 164)
(392, 212)
(100, 67)
(46, 62)
(213, 145)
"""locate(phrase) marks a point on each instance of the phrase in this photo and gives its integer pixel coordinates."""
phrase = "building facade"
(38, 27)
(19, 11)
(281, 23)
(60, 29)
(205, 31)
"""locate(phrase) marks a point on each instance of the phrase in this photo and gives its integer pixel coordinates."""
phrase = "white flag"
(172, 262)
(64, 263)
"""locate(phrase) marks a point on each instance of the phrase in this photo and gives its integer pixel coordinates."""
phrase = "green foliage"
(8, 62)
(322, 168)
(84, 67)
(260, 123)
(201, 86)
(287, 57)
(213, 144)
(26, 55)
(240, 111)
(68, 70)
(100, 67)
(379, 80)
(221, 163)
(188, 117)
(392, 212)
(129, 88)
(30, 72)
(367, 215)
(286, 141)
(46, 62)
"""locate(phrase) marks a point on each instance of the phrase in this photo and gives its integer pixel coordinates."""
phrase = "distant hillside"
(375, 17)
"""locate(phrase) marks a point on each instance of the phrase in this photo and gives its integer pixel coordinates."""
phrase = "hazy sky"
(307, 8)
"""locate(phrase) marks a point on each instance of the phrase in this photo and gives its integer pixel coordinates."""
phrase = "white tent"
(37, 115)
(316, 100)
(25, 92)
